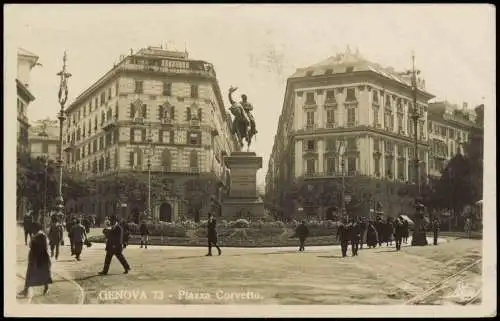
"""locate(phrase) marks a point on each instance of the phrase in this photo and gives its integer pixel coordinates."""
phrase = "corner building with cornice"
(348, 99)
(154, 104)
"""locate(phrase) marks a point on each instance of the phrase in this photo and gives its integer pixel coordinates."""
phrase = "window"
(165, 136)
(84, 111)
(194, 91)
(109, 93)
(331, 144)
(310, 166)
(117, 88)
(310, 99)
(352, 144)
(330, 94)
(400, 123)
(193, 159)
(443, 131)
(375, 96)
(351, 116)
(137, 135)
(194, 139)
(376, 145)
(45, 148)
(389, 166)
(375, 116)
(310, 118)
(330, 165)
(103, 98)
(451, 133)
(330, 116)
(310, 146)
(351, 94)
(167, 89)
(377, 165)
(138, 87)
(401, 169)
(351, 164)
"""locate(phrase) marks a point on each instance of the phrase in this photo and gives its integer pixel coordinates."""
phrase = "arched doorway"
(166, 212)
(330, 214)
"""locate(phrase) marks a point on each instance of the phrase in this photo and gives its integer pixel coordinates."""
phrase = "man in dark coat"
(212, 235)
(69, 226)
(78, 238)
(389, 231)
(435, 230)
(343, 235)
(398, 232)
(372, 237)
(28, 227)
(126, 233)
(55, 237)
(114, 246)
(302, 232)
(379, 226)
(356, 231)
(406, 231)
(363, 227)
(86, 224)
(144, 230)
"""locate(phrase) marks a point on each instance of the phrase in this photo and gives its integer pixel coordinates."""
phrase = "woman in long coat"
(38, 272)
(371, 236)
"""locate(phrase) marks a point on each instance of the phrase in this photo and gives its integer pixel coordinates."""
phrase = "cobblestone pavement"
(173, 275)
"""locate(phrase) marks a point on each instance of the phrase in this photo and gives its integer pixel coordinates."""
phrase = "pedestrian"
(302, 232)
(389, 232)
(28, 227)
(363, 227)
(398, 232)
(86, 223)
(468, 227)
(114, 246)
(69, 227)
(343, 235)
(212, 235)
(356, 230)
(371, 235)
(379, 226)
(55, 236)
(78, 238)
(126, 233)
(406, 230)
(435, 230)
(144, 230)
(38, 272)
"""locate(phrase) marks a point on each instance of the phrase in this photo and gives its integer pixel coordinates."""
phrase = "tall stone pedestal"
(243, 200)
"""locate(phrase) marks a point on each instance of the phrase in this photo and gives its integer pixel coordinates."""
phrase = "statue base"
(243, 200)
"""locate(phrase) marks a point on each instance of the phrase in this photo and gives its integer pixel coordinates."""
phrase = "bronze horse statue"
(243, 125)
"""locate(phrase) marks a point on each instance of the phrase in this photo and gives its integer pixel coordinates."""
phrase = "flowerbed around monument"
(239, 233)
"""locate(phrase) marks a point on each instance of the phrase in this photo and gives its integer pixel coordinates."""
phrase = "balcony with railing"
(331, 125)
(351, 104)
(330, 103)
(110, 123)
(310, 126)
(352, 123)
(194, 123)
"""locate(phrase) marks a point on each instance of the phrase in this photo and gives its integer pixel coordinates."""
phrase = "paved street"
(172, 275)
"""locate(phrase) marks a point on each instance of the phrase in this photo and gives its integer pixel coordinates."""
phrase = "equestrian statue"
(243, 125)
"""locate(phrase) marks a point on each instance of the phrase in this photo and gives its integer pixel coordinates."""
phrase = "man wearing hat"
(114, 246)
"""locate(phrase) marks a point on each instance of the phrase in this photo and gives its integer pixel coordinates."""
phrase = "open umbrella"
(406, 218)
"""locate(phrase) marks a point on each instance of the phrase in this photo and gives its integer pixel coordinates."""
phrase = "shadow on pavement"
(331, 256)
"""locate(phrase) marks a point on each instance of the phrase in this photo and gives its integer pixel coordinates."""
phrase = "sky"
(256, 47)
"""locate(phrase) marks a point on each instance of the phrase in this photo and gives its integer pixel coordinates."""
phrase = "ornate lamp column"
(63, 97)
(419, 235)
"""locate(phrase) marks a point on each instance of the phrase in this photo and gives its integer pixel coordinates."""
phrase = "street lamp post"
(341, 154)
(419, 235)
(63, 97)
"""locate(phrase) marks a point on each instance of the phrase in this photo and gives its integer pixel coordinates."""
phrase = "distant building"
(347, 101)
(449, 127)
(44, 139)
(25, 62)
(153, 96)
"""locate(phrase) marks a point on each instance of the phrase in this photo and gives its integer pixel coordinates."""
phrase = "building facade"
(157, 107)
(44, 139)
(449, 128)
(26, 61)
(347, 117)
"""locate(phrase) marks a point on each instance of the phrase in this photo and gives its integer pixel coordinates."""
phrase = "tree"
(199, 190)
(474, 154)
(455, 188)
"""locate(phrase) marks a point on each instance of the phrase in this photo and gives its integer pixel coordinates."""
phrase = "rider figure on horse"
(244, 122)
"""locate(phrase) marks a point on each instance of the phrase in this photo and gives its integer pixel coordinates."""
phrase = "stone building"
(449, 128)
(347, 110)
(26, 61)
(154, 106)
(44, 139)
